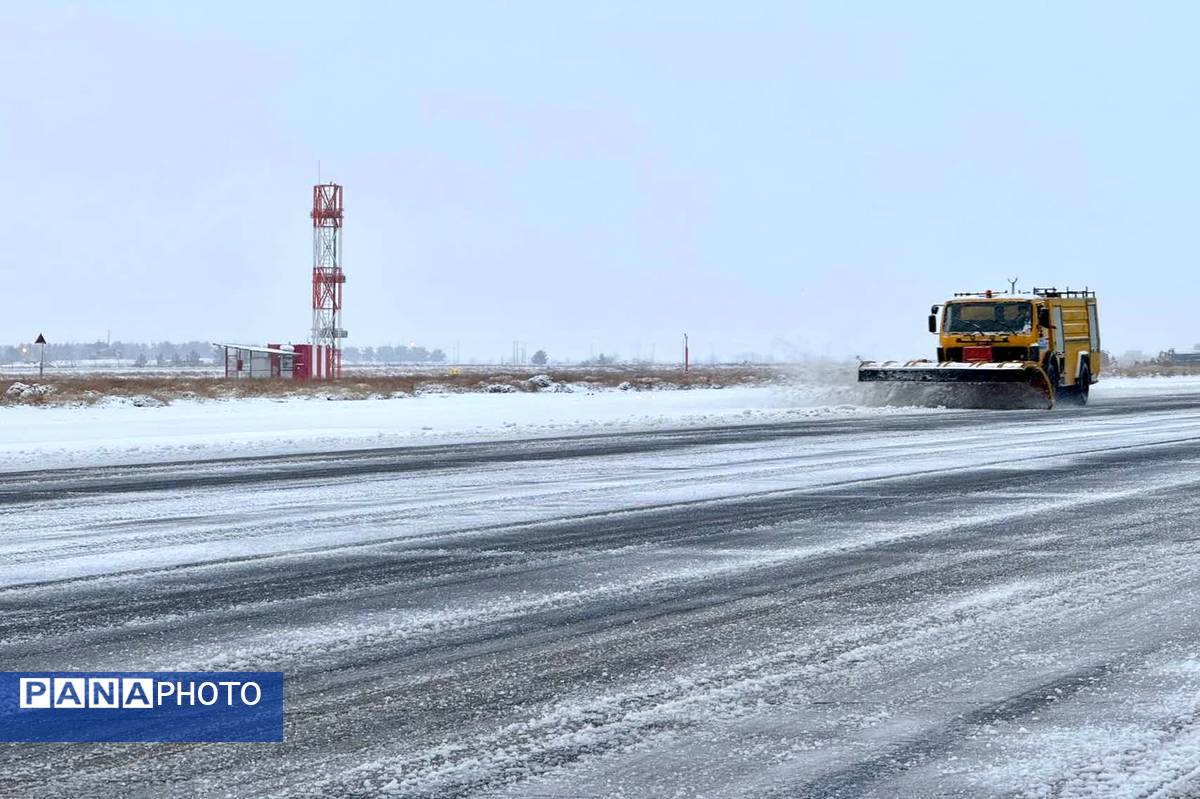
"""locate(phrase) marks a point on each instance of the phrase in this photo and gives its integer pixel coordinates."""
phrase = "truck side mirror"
(932, 323)
(1043, 317)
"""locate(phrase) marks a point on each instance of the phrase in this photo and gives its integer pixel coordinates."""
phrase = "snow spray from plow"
(1003, 386)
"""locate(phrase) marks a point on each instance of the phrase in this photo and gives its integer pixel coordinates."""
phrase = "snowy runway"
(849, 604)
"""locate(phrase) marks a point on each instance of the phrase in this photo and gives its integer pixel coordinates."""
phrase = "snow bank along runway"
(929, 605)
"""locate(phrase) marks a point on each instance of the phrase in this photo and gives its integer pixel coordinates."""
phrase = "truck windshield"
(989, 317)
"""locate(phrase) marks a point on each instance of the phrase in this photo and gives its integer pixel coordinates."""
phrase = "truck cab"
(1056, 330)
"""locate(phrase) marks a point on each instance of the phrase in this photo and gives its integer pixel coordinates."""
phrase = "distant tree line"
(189, 353)
(160, 353)
(391, 354)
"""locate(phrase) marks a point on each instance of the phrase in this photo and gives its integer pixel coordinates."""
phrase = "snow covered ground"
(1147, 385)
(33, 437)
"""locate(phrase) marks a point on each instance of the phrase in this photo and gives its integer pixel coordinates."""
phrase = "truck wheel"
(1052, 376)
(1083, 385)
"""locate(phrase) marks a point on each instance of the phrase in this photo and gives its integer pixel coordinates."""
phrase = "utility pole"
(685, 352)
(1012, 285)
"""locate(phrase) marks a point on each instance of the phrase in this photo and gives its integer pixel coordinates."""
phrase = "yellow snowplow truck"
(1037, 348)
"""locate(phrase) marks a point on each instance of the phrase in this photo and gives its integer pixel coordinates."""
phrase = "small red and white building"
(279, 361)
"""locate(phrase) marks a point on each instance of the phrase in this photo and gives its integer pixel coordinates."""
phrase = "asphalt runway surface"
(940, 604)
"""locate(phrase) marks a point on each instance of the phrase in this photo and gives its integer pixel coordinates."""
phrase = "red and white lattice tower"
(328, 278)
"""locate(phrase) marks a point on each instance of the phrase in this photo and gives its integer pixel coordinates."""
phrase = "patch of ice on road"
(562, 735)
(1122, 759)
(992, 595)
(666, 568)
(311, 642)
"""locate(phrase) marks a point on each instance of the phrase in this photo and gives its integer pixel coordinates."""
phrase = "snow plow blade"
(1012, 384)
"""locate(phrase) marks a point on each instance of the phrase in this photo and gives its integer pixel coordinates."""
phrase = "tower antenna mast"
(327, 277)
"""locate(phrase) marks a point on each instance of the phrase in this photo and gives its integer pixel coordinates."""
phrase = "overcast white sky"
(598, 176)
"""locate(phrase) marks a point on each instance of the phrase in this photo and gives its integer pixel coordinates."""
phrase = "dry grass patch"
(161, 389)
